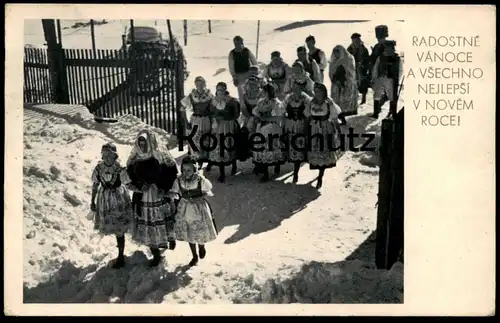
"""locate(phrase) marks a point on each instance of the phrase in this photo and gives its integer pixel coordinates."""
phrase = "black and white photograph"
(213, 161)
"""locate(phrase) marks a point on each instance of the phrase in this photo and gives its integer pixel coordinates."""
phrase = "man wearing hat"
(381, 33)
(317, 55)
(362, 58)
(385, 78)
(241, 59)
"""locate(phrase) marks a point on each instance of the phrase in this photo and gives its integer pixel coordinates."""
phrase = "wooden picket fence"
(147, 82)
(37, 78)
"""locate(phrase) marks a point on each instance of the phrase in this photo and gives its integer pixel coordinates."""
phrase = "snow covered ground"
(278, 242)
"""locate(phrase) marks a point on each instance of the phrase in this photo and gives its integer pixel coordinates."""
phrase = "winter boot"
(156, 257)
(120, 260)
(363, 98)
(172, 244)
(202, 251)
(376, 109)
(234, 168)
(222, 174)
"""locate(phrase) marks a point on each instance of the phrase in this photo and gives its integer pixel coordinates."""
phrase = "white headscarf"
(346, 60)
(152, 149)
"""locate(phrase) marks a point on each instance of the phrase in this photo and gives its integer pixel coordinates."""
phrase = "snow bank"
(341, 282)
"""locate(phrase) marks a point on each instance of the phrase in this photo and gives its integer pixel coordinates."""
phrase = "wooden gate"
(146, 81)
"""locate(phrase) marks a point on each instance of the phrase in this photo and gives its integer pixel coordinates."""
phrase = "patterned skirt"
(346, 97)
(194, 222)
(273, 152)
(296, 131)
(226, 131)
(153, 220)
(114, 211)
(204, 127)
(324, 140)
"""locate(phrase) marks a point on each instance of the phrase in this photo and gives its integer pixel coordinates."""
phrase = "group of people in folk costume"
(289, 99)
(165, 206)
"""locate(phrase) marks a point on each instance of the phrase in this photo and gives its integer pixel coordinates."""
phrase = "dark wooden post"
(92, 34)
(395, 220)
(132, 31)
(209, 26)
(384, 192)
(185, 32)
(59, 32)
(55, 55)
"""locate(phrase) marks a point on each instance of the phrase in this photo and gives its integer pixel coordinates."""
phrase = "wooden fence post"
(59, 32)
(185, 33)
(55, 56)
(209, 26)
(132, 31)
(395, 221)
(258, 36)
(92, 35)
(384, 192)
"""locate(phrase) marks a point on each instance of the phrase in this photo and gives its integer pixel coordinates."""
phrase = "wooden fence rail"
(147, 82)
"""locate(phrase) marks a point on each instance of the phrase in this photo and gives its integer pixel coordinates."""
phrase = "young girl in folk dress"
(300, 76)
(198, 104)
(252, 93)
(324, 147)
(194, 222)
(111, 200)
(151, 175)
(269, 115)
(295, 127)
(344, 90)
(225, 113)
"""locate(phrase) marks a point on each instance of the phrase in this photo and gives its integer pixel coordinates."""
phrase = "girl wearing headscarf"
(299, 76)
(151, 175)
(225, 113)
(269, 116)
(252, 93)
(277, 71)
(197, 104)
(324, 132)
(344, 89)
(295, 105)
(194, 222)
(111, 202)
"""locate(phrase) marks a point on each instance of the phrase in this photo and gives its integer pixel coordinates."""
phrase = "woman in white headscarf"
(344, 90)
(151, 175)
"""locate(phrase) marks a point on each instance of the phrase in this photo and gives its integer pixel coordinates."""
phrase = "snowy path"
(267, 231)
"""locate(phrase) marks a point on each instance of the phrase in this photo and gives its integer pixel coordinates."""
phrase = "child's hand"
(93, 207)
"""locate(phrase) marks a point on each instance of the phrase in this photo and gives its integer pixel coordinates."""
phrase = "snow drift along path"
(269, 233)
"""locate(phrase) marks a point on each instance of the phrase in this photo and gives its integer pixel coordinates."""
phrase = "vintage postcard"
(249, 160)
